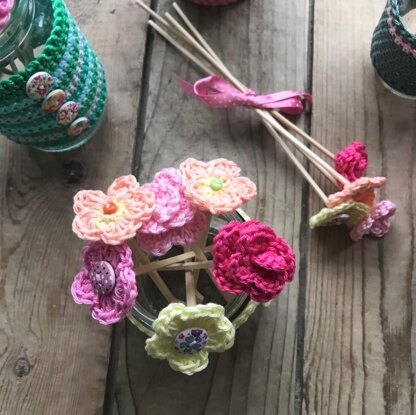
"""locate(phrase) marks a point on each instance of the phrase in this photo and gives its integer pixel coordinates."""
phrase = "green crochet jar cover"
(75, 97)
(393, 49)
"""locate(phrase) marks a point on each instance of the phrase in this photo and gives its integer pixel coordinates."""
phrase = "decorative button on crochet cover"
(58, 99)
(131, 225)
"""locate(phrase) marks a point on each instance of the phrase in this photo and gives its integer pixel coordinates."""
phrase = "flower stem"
(141, 257)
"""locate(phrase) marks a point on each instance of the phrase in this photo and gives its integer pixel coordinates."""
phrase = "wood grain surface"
(53, 356)
(265, 43)
(360, 341)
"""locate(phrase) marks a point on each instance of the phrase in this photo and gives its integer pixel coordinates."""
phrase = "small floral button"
(339, 220)
(53, 100)
(78, 126)
(102, 277)
(39, 85)
(191, 340)
(67, 113)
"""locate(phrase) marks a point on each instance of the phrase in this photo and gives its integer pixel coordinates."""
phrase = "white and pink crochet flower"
(174, 220)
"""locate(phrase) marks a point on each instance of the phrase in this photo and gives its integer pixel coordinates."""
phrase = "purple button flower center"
(102, 277)
(191, 340)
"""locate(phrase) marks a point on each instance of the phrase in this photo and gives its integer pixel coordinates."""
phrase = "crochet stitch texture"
(174, 220)
(112, 307)
(393, 49)
(75, 69)
(249, 258)
(351, 162)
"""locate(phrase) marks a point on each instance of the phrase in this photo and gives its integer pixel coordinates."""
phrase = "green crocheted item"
(393, 48)
(74, 67)
(350, 213)
(184, 336)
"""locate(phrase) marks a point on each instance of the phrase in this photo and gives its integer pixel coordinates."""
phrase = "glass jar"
(52, 85)
(150, 301)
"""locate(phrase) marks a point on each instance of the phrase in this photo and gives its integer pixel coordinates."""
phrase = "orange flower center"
(110, 208)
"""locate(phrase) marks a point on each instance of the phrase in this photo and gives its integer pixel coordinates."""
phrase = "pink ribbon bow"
(219, 93)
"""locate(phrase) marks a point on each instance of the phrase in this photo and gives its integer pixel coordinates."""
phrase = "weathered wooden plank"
(359, 341)
(264, 43)
(53, 357)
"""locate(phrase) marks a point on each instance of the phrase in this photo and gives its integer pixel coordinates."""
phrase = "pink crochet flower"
(361, 190)
(377, 223)
(249, 258)
(113, 217)
(106, 282)
(351, 162)
(174, 220)
(6, 7)
(216, 186)
(160, 244)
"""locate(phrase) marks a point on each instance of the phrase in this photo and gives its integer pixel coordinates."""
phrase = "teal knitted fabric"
(393, 49)
(76, 73)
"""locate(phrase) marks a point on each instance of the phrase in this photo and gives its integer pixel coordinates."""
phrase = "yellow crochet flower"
(350, 213)
(185, 335)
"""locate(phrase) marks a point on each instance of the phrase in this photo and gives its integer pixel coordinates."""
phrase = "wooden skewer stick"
(187, 266)
(298, 164)
(276, 114)
(215, 60)
(283, 120)
(190, 287)
(225, 72)
(155, 265)
(154, 275)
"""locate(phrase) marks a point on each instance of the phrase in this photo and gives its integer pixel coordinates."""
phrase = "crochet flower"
(185, 335)
(113, 217)
(351, 162)
(350, 213)
(6, 7)
(106, 282)
(216, 186)
(174, 220)
(249, 258)
(361, 190)
(377, 222)
(160, 244)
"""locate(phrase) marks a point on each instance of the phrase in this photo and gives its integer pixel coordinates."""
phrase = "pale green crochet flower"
(185, 335)
(349, 213)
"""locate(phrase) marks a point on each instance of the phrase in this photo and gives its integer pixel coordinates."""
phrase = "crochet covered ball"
(351, 162)
(249, 258)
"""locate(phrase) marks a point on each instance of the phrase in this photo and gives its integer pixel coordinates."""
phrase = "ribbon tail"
(186, 87)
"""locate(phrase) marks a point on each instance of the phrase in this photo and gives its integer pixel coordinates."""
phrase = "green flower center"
(216, 184)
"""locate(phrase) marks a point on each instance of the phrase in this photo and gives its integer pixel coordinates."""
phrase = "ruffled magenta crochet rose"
(106, 282)
(249, 258)
(377, 223)
(351, 162)
(174, 220)
(6, 7)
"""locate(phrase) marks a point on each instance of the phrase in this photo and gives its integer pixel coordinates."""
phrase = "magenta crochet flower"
(6, 7)
(351, 162)
(249, 258)
(106, 282)
(174, 220)
(377, 223)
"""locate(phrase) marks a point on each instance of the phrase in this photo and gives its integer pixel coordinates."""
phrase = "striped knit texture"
(75, 68)
(393, 50)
